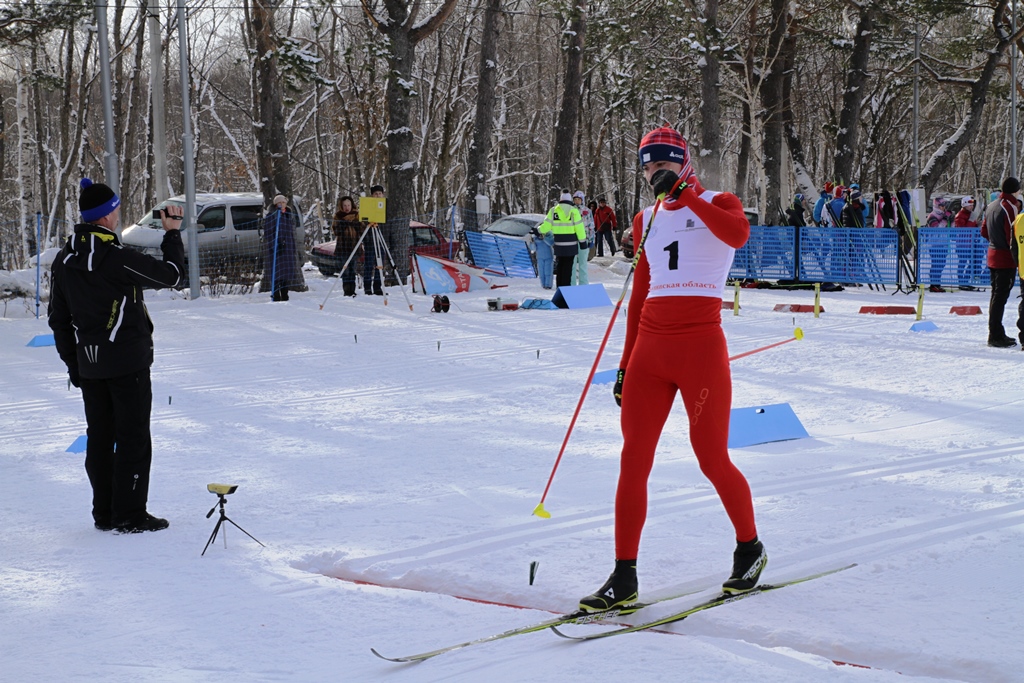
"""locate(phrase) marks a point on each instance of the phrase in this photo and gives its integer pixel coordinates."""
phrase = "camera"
(222, 489)
(158, 215)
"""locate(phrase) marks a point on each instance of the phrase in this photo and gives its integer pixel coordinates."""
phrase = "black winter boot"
(136, 524)
(618, 591)
(748, 561)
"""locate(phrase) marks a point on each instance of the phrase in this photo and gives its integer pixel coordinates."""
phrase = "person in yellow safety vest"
(566, 223)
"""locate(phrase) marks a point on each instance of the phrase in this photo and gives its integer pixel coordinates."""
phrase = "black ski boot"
(748, 561)
(618, 591)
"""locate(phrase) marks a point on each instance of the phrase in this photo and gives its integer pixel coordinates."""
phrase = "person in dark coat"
(104, 335)
(346, 234)
(795, 213)
(997, 228)
(280, 265)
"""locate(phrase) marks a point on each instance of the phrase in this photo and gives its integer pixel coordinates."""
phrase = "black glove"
(665, 182)
(73, 377)
(619, 377)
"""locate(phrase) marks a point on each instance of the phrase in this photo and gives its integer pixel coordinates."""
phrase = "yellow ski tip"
(798, 333)
(541, 512)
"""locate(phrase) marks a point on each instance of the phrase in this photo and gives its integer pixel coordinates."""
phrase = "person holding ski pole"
(675, 344)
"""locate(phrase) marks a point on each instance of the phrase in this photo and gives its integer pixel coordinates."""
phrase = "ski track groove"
(445, 551)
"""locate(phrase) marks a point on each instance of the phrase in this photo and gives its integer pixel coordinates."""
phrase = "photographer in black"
(105, 337)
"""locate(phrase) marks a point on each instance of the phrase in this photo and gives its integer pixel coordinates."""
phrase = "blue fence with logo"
(504, 255)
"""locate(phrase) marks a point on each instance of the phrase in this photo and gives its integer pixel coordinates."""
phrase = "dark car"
(423, 239)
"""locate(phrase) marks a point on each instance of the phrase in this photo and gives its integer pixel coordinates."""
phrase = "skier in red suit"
(675, 344)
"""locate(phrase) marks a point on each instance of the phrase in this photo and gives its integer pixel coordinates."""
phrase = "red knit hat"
(666, 144)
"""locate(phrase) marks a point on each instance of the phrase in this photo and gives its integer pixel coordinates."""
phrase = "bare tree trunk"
(568, 114)
(483, 122)
(710, 159)
(743, 158)
(271, 143)
(853, 96)
(771, 102)
(403, 34)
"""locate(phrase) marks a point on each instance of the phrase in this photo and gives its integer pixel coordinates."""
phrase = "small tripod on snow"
(222, 490)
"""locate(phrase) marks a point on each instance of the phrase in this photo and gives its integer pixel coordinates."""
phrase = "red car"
(423, 239)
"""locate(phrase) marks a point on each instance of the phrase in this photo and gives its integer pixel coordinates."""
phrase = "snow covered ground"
(376, 445)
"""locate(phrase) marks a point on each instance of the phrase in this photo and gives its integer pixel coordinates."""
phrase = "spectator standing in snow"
(819, 206)
(579, 273)
(675, 345)
(998, 228)
(853, 211)
(544, 245)
(938, 218)
(885, 210)
(371, 273)
(346, 233)
(104, 335)
(280, 265)
(565, 223)
(604, 219)
(965, 239)
(795, 213)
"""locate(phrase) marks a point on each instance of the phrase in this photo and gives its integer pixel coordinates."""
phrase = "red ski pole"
(539, 510)
(797, 335)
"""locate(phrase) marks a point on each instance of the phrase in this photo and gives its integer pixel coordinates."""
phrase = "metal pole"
(187, 159)
(39, 257)
(110, 169)
(917, 78)
(156, 79)
(1013, 97)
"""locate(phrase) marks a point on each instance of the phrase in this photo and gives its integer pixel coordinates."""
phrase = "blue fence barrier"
(949, 257)
(864, 255)
(769, 254)
(501, 254)
(952, 257)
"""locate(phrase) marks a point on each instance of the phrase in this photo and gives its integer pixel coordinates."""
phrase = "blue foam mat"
(581, 296)
(78, 445)
(42, 340)
(924, 326)
(764, 424)
(604, 376)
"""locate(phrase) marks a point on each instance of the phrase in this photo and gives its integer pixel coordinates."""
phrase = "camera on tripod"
(221, 490)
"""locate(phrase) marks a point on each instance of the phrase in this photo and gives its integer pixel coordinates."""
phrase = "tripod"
(223, 518)
(379, 246)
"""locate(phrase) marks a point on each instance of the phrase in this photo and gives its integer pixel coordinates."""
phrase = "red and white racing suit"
(674, 342)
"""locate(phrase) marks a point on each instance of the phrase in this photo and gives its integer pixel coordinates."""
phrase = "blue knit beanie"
(96, 200)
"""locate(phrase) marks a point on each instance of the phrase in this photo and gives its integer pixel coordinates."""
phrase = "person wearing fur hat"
(938, 218)
(566, 224)
(675, 345)
(104, 335)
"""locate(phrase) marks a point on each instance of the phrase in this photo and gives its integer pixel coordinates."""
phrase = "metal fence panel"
(769, 254)
(952, 257)
(501, 254)
(862, 255)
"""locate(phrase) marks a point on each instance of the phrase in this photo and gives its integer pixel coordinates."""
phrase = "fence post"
(736, 298)
(920, 301)
(817, 299)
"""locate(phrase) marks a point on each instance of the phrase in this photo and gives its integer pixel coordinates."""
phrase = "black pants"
(1002, 285)
(117, 411)
(280, 291)
(563, 271)
(603, 235)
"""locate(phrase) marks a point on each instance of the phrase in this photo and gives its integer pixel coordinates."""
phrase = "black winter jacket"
(99, 320)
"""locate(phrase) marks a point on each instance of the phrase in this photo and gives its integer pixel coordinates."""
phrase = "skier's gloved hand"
(666, 182)
(73, 377)
(617, 391)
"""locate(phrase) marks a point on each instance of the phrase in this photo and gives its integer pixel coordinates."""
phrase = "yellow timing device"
(372, 210)
(222, 489)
